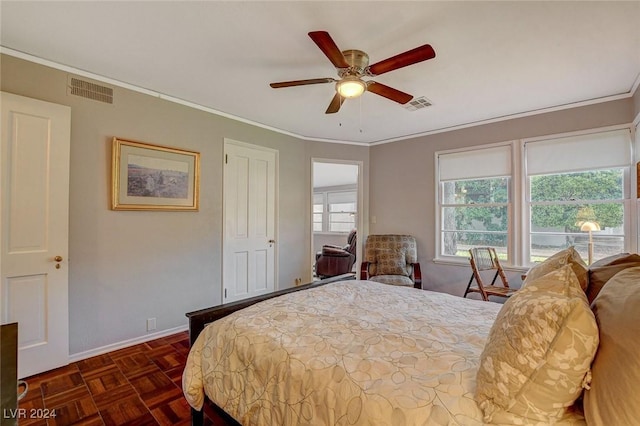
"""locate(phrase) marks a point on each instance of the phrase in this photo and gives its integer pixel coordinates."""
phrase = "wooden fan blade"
(329, 48)
(335, 104)
(301, 82)
(388, 92)
(410, 57)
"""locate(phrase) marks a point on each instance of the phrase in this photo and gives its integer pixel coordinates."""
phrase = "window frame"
(506, 204)
(519, 219)
(326, 210)
(322, 203)
(625, 201)
(514, 183)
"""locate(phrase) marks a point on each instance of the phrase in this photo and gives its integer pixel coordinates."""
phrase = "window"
(318, 212)
(572, 191)
(475, 200)
(475, 213)
(578, 194)
(334, 211)
(584, 210)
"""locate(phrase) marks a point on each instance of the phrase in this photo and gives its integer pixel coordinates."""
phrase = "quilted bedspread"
(347, 353)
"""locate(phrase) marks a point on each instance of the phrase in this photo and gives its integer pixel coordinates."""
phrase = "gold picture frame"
(153, 177)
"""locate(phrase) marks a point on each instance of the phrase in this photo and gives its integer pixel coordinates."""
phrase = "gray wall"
(125, 267)
(405, 202)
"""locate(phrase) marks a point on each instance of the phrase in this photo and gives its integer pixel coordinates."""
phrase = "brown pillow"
(604, 269)
(391, 262)
(568, 256)
(615, 384)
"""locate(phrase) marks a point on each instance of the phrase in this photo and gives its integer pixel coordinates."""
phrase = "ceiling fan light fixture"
(351, 87)
(352, 65)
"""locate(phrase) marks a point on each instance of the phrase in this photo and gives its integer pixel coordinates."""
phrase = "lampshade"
(589, 226)
(351, 87)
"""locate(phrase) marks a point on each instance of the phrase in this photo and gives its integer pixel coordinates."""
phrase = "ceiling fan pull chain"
(360, 120)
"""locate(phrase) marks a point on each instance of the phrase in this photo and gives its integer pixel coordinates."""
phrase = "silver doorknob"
(272, 241)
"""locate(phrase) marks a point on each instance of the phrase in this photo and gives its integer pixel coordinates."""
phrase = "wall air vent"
(90, 90)
(418, 103)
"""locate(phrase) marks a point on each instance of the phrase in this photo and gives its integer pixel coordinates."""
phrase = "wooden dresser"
(9, 374)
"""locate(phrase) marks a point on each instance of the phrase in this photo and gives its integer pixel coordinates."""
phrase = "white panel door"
(249, 257)
(34, 185)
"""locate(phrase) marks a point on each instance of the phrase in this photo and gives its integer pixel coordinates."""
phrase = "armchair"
(336, 260)
(391, 259)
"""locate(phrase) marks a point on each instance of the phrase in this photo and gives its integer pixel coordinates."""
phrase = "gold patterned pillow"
(539, 350)
(391, 262)
(568, 256)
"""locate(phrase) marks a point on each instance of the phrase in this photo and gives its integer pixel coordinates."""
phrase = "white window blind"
(479, 163)
(576, 153)
(342, 197)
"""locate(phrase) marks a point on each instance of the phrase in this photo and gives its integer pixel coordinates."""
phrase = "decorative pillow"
(568, 256)
(538, 351)
(615, 387)
(601, 271)
(391, 262)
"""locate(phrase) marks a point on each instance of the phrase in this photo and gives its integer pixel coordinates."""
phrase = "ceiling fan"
(353, 65)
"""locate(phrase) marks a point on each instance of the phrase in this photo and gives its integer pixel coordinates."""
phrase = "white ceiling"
(493, 59)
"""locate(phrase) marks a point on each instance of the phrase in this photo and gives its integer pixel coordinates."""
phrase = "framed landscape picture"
(153, 177)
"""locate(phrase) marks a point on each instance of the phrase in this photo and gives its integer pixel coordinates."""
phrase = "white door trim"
(361, 208)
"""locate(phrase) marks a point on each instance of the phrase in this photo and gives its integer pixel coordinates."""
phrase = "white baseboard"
(125, 343)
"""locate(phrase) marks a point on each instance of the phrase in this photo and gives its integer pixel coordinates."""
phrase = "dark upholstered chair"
(391, 259)
(336, 260)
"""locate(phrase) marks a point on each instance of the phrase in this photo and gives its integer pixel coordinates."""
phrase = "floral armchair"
(391, 259)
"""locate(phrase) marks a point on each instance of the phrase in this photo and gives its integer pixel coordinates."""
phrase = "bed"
(347, 352)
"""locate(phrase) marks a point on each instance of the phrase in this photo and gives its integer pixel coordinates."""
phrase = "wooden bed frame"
(199, 319)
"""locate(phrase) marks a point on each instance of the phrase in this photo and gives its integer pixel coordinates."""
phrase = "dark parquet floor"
(139, 385)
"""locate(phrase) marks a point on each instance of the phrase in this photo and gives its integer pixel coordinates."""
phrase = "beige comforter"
(352, 352)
